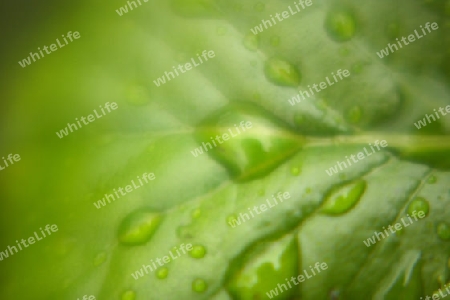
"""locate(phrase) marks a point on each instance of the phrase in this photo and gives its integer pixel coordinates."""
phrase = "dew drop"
(419, 204)
(432, 179)
(443, 231)
(138, 227)
(137, 95)
(354, 114)
(198, 251)
(100, 258)
(196, 213)
(260, 6)
(261, 192)
(340, 25)
(251, 42)
(281, 72)
(344, 198)
(275, 41)
(128, 295)
(199, 285)
(162, 273)
(295, 171)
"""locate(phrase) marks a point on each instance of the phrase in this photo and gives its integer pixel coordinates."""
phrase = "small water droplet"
(199, 285)
(137, 95)
(238, 7)
(100, 258)
(432, 179)
(344, 198)
(358, 67)
(419, 204)
(443, 231)
(260, 6)
(221, 30)
(340, 25)
(196, 213)
(308, 190)
(344, 51)
(138, 227)
(198, 251)
(162, 273)
(261, 192)
(393, 30)
(275, 41)
(354, 114)
(281, 72)
(251, 42)
(295, 171)
(184, 232)
(128, 295)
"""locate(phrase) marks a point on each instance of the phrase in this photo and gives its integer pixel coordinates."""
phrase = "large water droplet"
(254, 142)
(251, 42)
(128, 295)
(196, 8)
(340, 25)
(262, 268)
(138, 227)
(198, 251)
(100, 258)
(344, 198)
(199, 285)
(162, 273)
(281, 72)
(419, 204)
(443, 231)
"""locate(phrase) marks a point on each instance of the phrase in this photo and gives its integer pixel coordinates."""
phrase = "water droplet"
(138, 227)
(231, 219)
(100, 258)
(344, 198)
(281, 72)
(196, 8)
(199, 285)
(251, 42)
(393, 30)
(275, 41)
(340, 25)
(419, 204)
(221, 30)
(262, 267)
(432, 179)
(354, 114)
(196, 213)
(443, 231)
(358, 67)
(128, 295)
(162, 273)
(344, 51)
(261, 192)
(198, 251)
(245, 152)
(260, 6)
(184, 232)
(295, 171)
(137, 95)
